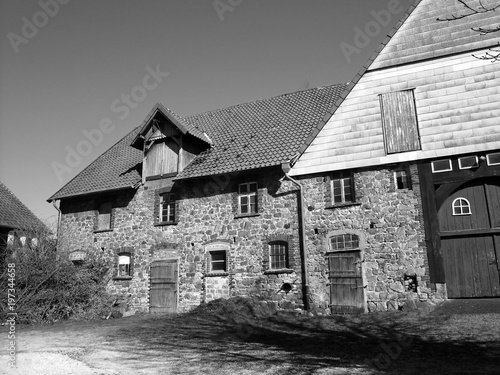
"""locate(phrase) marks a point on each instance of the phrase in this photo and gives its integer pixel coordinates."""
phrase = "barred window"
(278, 255)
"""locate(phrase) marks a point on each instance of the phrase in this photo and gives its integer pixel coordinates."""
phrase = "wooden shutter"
(399, 121)
(104, 217)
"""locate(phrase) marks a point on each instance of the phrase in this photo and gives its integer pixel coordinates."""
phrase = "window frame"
(488, 162)
(353, 248)
(280, 264)
(405, 179)
(449, 169)
(461, 207)
(166, 199)
(223, 261)
(467, 157)
(128, 266)
(340, 177)
(248, 195)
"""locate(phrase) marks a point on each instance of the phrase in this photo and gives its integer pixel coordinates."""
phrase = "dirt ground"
(240, 338)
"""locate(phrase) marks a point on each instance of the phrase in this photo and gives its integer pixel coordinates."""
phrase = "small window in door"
(461, 206)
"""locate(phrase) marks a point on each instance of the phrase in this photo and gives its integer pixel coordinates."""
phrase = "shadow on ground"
(221, 341)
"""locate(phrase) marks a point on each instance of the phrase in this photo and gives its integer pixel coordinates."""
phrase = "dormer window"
(161, 157)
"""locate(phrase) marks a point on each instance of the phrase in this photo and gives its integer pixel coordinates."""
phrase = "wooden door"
(163, 291)
(469, 222)
(346, 285)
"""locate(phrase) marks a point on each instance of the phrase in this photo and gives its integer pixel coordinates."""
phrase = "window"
(441, 166)
(278, 255)
(341, 242)
(218, 261)
(104, 216)
(461, 206)
(167, 208)
(342, 188)
(247, 199)
(468, 162)
(399, 121)
(493, 159)
(402, 180)
(123, 265)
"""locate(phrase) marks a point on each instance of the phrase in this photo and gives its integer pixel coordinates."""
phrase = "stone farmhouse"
(192, 209)
(402, 183)
(343, 198)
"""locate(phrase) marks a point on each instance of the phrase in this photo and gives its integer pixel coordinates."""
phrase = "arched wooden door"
(469, 223)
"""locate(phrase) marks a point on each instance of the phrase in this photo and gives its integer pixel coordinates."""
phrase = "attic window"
(399, 121)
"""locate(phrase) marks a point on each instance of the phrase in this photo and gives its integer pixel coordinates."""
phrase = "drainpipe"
(285, 166)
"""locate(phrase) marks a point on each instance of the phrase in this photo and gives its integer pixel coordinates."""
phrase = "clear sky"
(65, 66)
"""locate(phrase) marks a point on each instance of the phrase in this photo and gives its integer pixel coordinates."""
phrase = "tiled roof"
(261, 133)
(119, 167)
(245, 136)
(14, 214)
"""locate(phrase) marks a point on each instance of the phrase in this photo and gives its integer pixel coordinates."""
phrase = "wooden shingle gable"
(455, 96)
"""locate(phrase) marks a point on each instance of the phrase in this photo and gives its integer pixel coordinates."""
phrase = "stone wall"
(390, 223)
(205, 214)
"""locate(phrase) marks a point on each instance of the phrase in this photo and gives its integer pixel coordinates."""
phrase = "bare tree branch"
(493, 54)
(478, 10)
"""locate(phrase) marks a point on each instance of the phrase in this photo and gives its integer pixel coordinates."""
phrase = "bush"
(49, 288)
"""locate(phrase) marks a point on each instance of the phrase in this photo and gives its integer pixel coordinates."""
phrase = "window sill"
(241, 216)
(344, 205)
(122, 278)
(277, 271)
(165, 223)
(216, 274)
(103, 230)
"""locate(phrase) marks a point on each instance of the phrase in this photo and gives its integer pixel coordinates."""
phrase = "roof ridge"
(263, 99)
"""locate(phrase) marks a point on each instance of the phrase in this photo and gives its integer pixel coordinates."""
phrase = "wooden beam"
(431, 224)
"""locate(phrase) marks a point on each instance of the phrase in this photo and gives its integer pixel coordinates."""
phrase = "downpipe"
(285, 167)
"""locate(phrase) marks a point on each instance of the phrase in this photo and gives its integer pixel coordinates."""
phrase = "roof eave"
(55, 197)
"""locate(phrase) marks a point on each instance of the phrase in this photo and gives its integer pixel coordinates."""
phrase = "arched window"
(278, 255)
(461, 206)
(343, 242)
